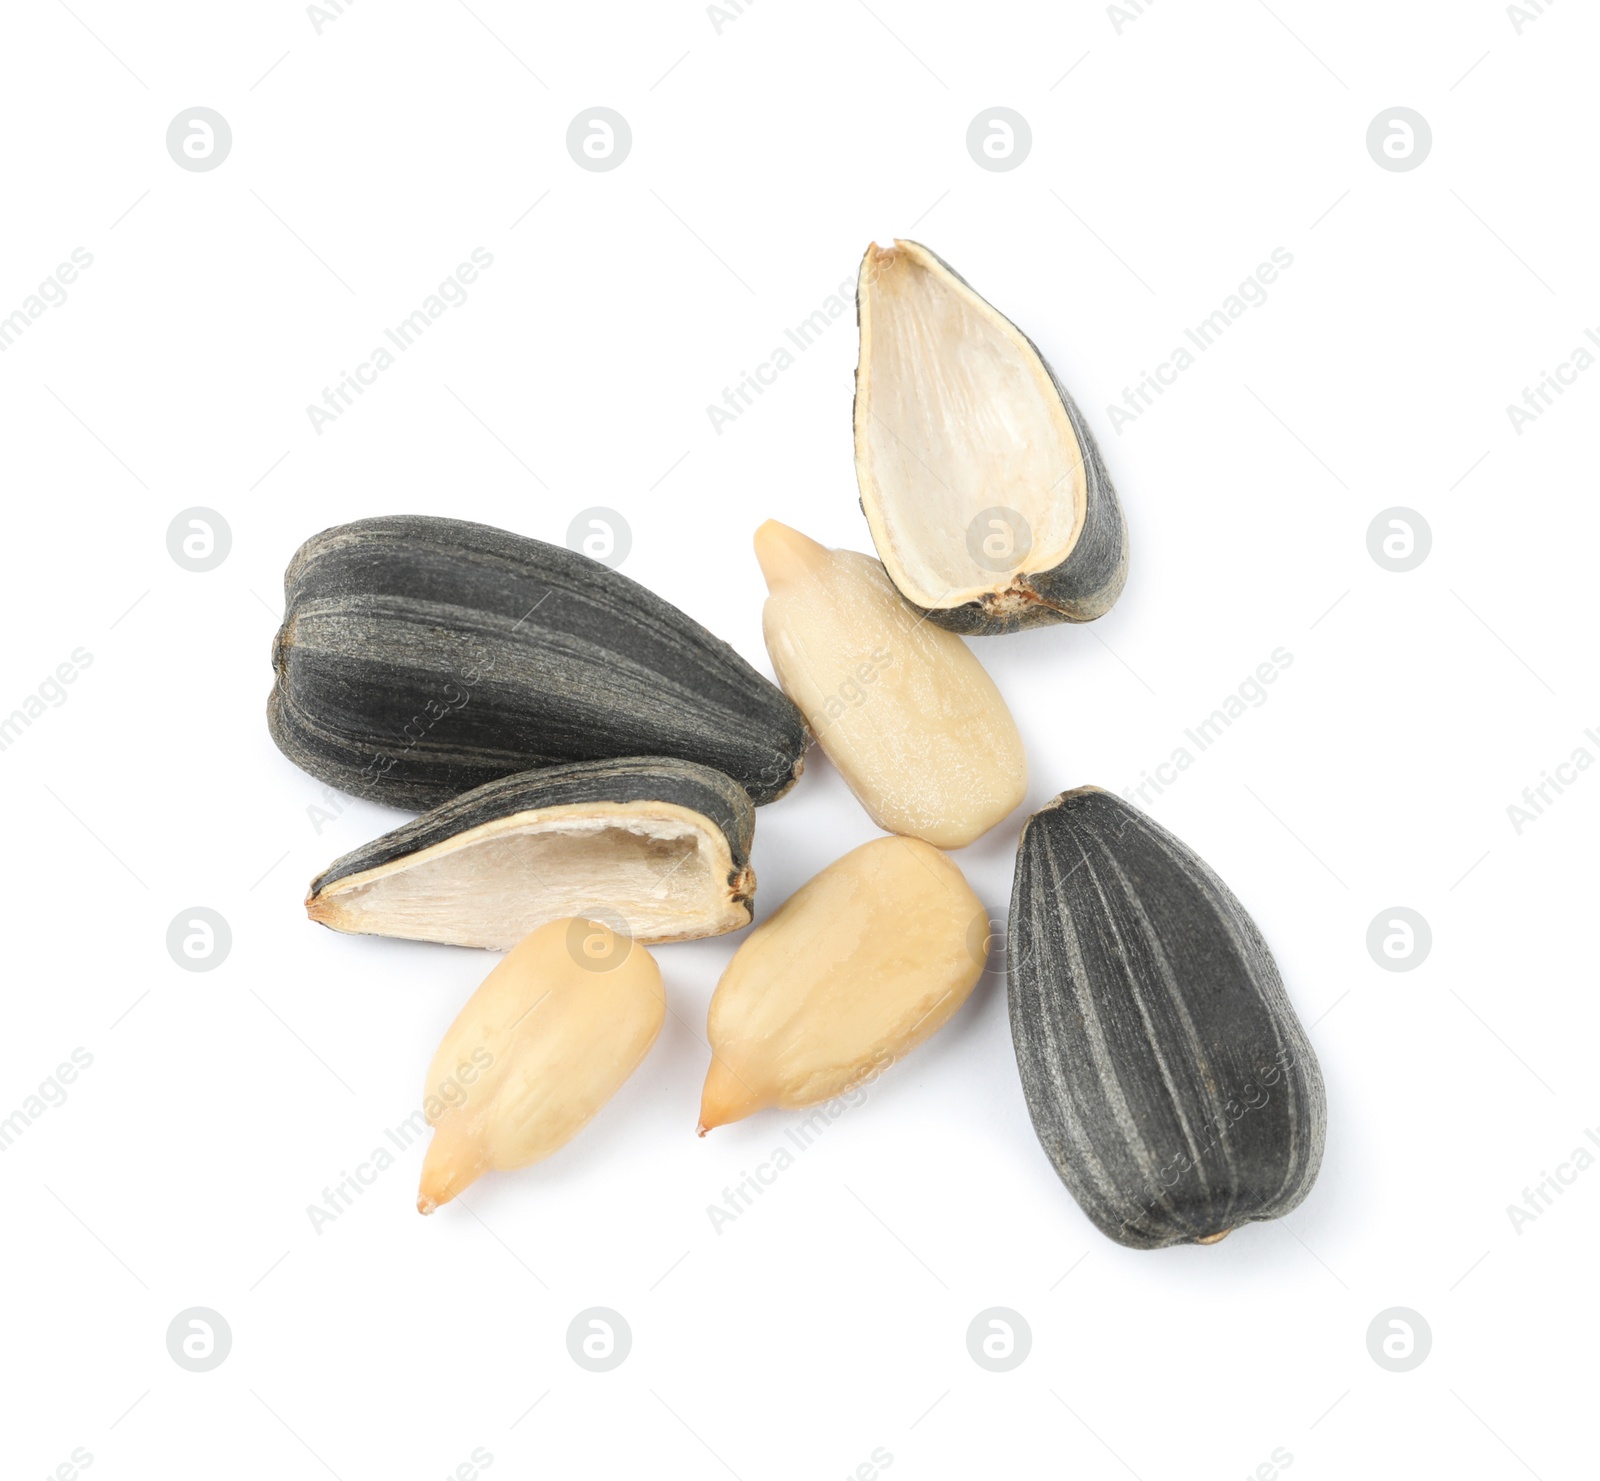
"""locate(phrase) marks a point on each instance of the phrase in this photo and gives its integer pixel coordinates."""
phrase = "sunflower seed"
(853, 971)
(547, 1039)
(1169, 1080)
(421, 657)
(903, 709)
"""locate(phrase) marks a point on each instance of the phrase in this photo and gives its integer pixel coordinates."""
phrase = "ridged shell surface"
(1169, 1080)
(422, 657)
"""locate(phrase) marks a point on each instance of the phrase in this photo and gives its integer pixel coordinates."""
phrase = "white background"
(829, 1320)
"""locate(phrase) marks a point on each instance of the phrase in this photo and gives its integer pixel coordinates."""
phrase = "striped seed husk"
(1169, 1080)
(421, 657)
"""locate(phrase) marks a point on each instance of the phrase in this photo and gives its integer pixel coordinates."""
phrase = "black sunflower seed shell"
(656, 847)
(628, 779)
(1089, 579)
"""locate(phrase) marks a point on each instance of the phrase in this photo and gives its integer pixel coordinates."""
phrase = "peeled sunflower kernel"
(903, 709)
(854, 970)
(546, 1040)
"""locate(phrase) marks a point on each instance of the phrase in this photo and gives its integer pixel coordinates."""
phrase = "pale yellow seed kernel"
(904, 709)
(853, 971)
(546, 1040)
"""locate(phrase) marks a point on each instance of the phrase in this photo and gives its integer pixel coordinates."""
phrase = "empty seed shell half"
(903, 709)
(854, 970)
(420, 658)
(1168, 1078)
(546, 1040)
(656, 846)
(986, 495)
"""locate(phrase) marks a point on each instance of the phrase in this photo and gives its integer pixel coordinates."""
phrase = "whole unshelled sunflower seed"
(903, 709)
(421, 657)
(854, 970)
(546, 1040)
(1168, 1078)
